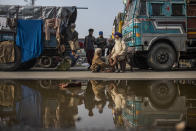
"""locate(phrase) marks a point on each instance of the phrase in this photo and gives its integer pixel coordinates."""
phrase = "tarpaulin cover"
(29, 38)
(66, 14)
(28, 109)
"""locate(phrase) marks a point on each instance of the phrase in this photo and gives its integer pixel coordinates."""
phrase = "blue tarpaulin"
(29, 38)
(28, 110)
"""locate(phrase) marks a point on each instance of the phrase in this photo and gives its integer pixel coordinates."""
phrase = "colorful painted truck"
(160, 32)
(46, 52)
(117, 24)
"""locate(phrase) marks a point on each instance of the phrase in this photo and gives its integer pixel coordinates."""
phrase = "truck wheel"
(45, 61)
(16, 64)
(162, 93)
(46, 84)
(161, 57)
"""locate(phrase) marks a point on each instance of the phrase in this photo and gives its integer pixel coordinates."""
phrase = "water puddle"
(96, 105)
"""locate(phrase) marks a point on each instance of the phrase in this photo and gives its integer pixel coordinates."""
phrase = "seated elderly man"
(118, 53)
(98, 65)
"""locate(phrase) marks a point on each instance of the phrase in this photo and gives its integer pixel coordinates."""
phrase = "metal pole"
(30, 2)
(82, 7)
(33, 2)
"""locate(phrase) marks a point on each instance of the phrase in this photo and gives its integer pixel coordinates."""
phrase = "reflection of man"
(67, 114)
(50, 114)
(99, 91)
(62, 112)
(89, 99)
(119, 100)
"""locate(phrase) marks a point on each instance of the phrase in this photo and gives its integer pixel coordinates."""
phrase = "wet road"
(87, 75)
(96, 105)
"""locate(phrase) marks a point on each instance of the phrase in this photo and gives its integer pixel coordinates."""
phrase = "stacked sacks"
(7, 52)
(6, 94)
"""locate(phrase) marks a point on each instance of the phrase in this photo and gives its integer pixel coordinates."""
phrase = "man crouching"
(98, 65)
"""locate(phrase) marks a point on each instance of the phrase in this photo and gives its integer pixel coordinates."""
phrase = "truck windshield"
(157, 9)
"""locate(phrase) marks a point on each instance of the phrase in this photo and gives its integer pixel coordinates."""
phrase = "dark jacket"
(110, 46)
(69, 35)
(89, 42)
(101, 43)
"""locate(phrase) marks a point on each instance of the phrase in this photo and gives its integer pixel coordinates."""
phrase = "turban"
(101, 33)
(118, 34)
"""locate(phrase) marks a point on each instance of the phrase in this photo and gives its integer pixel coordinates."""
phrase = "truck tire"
(161, 57)
(45, 84)
(16, 64)
(45, 62)
(162, 94)
(28, 65)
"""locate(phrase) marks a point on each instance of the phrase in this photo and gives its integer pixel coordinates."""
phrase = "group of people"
(95, 56)
(98, 95)
(116, 53)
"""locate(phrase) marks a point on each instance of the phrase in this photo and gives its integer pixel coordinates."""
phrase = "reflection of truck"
(49, 56)
(160, 104)
(161, 32)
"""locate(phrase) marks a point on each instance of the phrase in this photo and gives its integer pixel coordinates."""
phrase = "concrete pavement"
(87, 75)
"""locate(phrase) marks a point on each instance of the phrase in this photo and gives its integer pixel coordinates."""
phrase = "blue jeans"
(73, 59)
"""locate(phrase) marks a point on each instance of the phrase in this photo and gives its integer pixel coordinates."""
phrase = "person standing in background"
(89, 48)
(71, 39)
(101, 42)
(110, 45)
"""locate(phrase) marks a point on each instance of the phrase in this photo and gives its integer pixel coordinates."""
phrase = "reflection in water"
(131, 104)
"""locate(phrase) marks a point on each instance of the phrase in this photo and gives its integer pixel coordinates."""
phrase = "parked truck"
(50, 50)
(118, 23)
(160, 32)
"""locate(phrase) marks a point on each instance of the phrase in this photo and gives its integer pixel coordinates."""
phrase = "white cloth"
(3, 23)
(119, 48)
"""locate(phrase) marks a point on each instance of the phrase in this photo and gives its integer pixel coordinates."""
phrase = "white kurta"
(118, 49)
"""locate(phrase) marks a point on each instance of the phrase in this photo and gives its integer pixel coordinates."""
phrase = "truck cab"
(161, 31)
